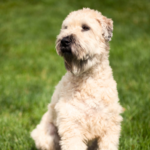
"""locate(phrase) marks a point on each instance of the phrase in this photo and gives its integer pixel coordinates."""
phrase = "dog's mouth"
(66, 51)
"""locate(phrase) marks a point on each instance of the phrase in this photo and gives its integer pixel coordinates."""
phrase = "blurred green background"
(30, 67)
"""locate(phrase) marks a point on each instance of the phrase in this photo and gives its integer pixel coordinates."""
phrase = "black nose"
(66, 41)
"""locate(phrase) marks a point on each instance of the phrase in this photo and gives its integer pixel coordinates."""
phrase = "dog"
(84, 112)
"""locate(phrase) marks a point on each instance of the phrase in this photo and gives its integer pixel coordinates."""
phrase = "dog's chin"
(66, 52)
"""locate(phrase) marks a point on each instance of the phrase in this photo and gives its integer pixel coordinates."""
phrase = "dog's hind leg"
(45, 134)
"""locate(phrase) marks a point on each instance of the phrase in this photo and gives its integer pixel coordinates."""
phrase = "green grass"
(30, 67)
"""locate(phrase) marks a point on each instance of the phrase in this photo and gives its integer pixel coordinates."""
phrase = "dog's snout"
(66, 41)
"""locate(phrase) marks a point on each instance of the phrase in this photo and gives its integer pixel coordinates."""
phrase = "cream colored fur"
(84, 106)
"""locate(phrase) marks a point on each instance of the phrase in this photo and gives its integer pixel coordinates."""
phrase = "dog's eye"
(85, 27)
(65, 27)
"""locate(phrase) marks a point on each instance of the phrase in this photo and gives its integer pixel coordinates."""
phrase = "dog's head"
(83, 39)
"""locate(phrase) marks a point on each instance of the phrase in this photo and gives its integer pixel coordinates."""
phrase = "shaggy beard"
(79, 67)
(74, 65)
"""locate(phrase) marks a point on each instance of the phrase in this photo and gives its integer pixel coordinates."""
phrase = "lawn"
(30, 67)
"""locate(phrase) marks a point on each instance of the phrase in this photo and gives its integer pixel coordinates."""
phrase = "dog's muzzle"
(66, 45)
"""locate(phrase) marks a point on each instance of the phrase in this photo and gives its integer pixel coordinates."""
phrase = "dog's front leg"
(69, 130)
(71, 138)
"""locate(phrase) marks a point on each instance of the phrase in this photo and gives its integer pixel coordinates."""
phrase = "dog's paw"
(43, 140)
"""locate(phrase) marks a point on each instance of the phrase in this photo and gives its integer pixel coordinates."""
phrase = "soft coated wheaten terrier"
(84, 112)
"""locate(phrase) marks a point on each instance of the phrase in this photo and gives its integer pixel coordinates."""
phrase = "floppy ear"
(107, 28)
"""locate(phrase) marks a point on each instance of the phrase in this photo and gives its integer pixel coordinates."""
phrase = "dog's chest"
(86, 103)
(84, 98)
(82, 90)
